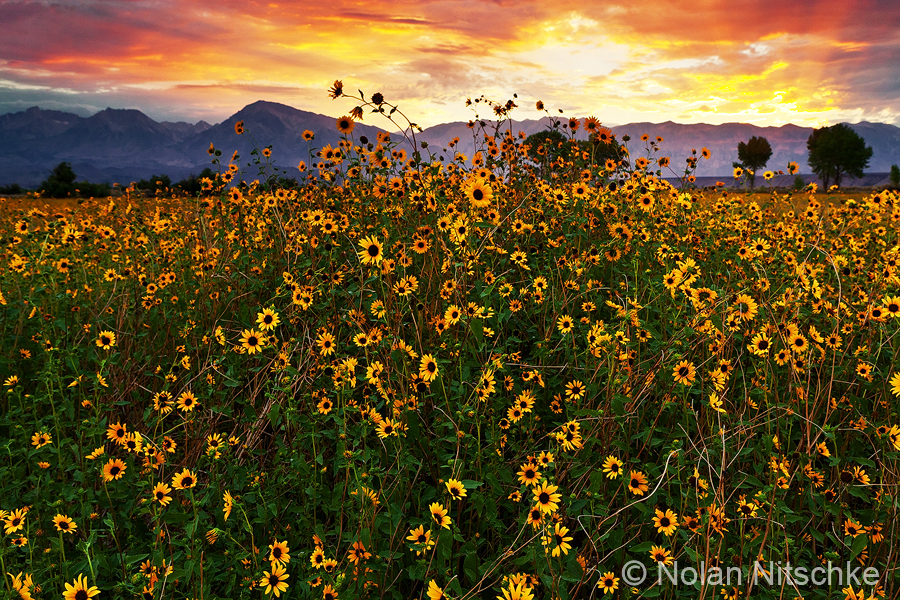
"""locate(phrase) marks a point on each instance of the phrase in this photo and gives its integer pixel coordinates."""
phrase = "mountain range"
(117, 145)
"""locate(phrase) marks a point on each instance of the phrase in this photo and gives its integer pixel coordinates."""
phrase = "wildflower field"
(419, 374)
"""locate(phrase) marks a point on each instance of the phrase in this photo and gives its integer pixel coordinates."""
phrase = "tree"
(155, 185)
(895, 176)
(192, 185)
(754, 155)
(837, 151)
(61, 182)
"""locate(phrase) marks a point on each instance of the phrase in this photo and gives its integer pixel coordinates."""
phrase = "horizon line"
(561, 117)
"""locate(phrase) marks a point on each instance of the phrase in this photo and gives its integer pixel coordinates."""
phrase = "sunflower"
(64, 524)
(420, 538)
(456, 489)
(760, 344)
(279, 553)
(187, 401)
(604, 135)
(560, 539)
(41, 439)
(428, 368)
(161, 493)
(535, 517)
(133, 442)
(665, 522)
(546, 497)
(478, 192)
(252, 340)
(517, 590)
(692, 523)
(345, 125)
(746, 307)
(329, 593)
(612, 466)
(106, 340)
(370, 254)
(435, 592)
(274, 581)
(14, 521)
(268, 319)
(852, 528)
(229, 503)
(358, 553)
(184, 480)
(114, 469)
(895, 384)
(661, 555)
(575, 390)
(386, 428)
(565, 324)
(439, 514)
(529, 474)
(684, 372)
(317, 558)
(637, 483)
(80, 590)
(609, 583)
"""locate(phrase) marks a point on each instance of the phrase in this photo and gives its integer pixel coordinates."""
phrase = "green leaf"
(858, 545)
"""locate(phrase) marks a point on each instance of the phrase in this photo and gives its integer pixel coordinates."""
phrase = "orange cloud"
(687, 61)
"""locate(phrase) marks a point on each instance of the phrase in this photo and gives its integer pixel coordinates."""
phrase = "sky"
(807, 62)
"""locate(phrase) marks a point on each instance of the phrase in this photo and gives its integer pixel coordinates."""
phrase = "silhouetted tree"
(61, 182)
(192, 184)
(895, 176)
(754, 155)
(837, 151)
(156, 184)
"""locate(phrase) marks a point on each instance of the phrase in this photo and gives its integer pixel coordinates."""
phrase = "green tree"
(156, 184)
(837, 151)
(754, 155)
(61, 182)
(192, 185)
(895, 176)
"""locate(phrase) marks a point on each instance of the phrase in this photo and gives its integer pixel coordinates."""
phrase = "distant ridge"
(125, 145)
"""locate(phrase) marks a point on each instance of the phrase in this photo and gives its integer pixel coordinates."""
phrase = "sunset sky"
(769, 63)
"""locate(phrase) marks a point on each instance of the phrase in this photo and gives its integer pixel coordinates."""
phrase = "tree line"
(834, 153)
(62, 183)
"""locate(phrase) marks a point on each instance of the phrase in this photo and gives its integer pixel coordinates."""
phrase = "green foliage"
(156, 184)
(13, 188)
(61, 183)
(193, 185)
(327, 362)
(754, 155)
(895, 176)
(837, 151)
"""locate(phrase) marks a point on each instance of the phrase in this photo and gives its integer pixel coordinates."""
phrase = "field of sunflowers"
(418, 374)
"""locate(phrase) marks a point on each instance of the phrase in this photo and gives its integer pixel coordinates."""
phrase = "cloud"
(803, 62)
